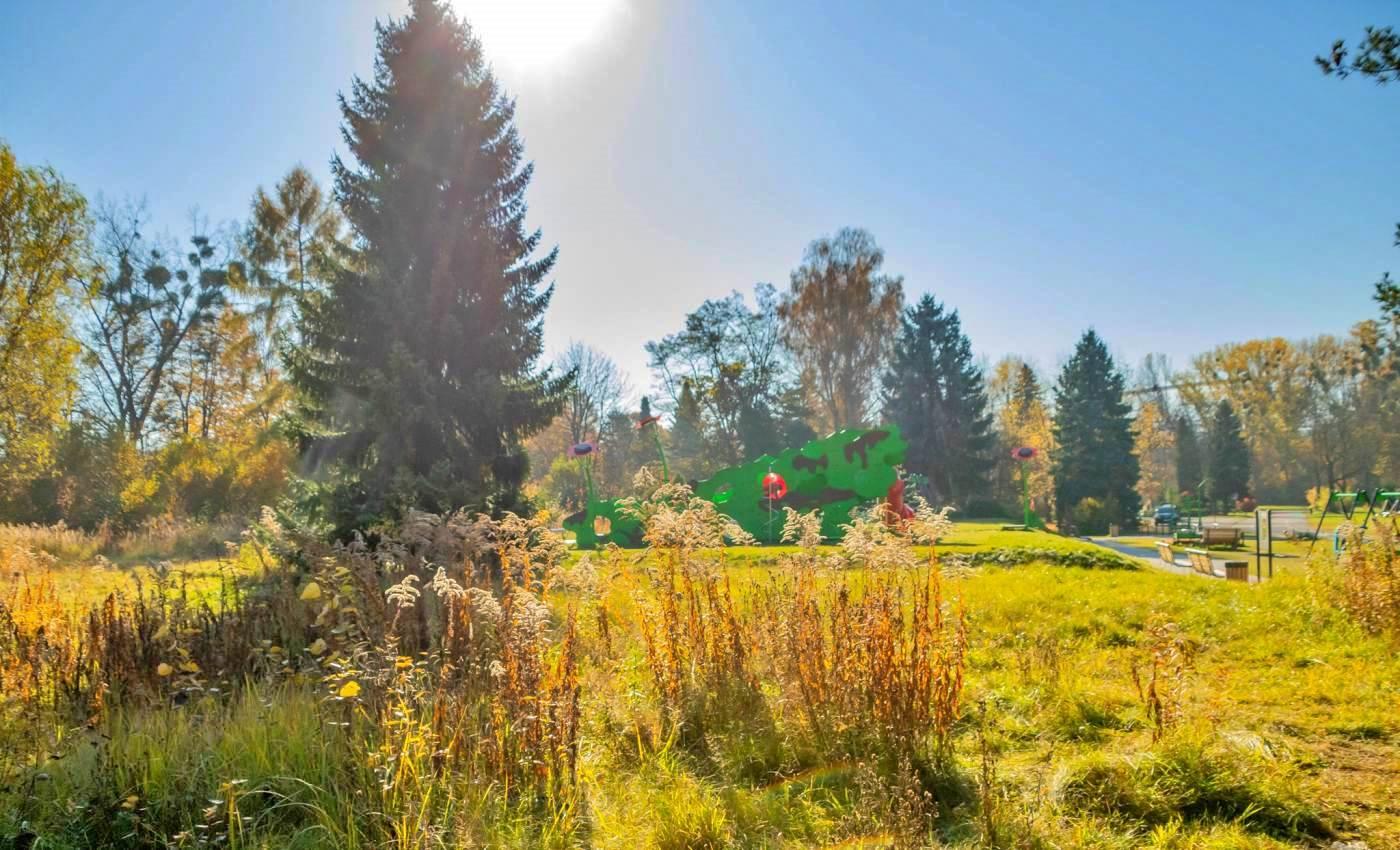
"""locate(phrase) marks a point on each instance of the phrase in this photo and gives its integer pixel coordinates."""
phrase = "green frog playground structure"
(833, 475)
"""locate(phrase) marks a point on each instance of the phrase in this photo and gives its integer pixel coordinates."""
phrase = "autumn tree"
(1154, 443)
(933, 390)
(293, 237)
(42, 238)
(1021, 418)
(1265, 381)
(839, 318)
(1094, 456)
(43, 232)
(217, 387)
(1345, 423)
(420, 366)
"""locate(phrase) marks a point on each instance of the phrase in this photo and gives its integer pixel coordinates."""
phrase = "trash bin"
(1237, 571)
(1113, 529)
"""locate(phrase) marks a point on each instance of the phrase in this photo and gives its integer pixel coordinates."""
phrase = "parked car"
(1166, 515)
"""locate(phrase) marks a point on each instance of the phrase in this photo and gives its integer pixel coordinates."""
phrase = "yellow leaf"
(130, 802)
(317, 647)
(190, 667)
(164, 669)
(162, 633)
(311, 592)
(404, 661)
(349, 690)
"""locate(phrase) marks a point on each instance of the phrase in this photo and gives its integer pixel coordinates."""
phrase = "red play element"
(774, 487)
(1023, 453)
(642, 423)
(896, 512)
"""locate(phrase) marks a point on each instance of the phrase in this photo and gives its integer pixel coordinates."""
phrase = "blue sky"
(1176, 175)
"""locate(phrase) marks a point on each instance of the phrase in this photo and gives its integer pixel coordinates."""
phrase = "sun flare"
(536, 35)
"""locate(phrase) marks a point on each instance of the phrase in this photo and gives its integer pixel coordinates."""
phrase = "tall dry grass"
(159, 539)
(875, 662)
(433, 648)
(1369, 568)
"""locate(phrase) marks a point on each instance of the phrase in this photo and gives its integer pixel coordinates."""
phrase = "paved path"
(1148, 554)
(1285, 521)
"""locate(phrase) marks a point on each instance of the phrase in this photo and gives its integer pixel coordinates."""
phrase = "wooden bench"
(1164, 551)
(1200, 561)
(1221, 537)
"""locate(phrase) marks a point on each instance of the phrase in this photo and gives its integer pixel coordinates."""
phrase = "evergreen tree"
(420, 367)
(934, 392)
(624, 450)
(688, 436)
(1189, 469)
(1094, 434)
(1229, 455)
(1026, 395)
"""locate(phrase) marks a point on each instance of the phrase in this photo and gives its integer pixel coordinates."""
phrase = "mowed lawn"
(969, 537)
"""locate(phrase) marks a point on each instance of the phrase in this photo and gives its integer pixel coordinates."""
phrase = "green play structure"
(833, 474)
(1381, 504)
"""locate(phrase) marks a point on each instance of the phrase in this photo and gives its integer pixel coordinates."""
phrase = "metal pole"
(1258, 546)
(656, 436)
(1025, 497)
(1317, 533)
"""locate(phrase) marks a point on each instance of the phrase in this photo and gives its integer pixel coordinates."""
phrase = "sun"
(537, 35)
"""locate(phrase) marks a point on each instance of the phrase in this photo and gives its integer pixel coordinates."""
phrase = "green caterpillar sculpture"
(833, 474)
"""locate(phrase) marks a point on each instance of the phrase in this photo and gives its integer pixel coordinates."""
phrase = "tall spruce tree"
(1190, 470)
(1026, 395)
(420, 367)
(934, 392)
(1094, 435)
(688, 436)
(1229, 455)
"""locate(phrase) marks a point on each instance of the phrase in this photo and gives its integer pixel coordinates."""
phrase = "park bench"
(1220, 537)
(1164, 551)
(1200, 561)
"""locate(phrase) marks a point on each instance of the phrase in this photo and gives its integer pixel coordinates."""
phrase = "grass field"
(690, 699)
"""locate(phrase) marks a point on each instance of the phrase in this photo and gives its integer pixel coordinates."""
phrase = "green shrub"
(1092, 559)
(1091, 516)
(988, 509)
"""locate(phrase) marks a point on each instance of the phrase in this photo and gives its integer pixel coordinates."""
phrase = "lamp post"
(1023, 456)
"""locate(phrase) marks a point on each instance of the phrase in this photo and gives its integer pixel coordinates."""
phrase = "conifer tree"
(420, 365)
(1189, 469)
(1093, 434)
(934, 392)
(688, 435)
(1229, 455)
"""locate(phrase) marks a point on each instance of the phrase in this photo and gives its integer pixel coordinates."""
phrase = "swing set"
(1380, 504)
